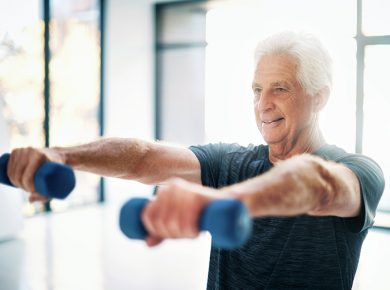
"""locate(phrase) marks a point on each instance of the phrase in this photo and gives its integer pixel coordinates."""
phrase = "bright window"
(74, 78)
(376, 135)
(75, 86)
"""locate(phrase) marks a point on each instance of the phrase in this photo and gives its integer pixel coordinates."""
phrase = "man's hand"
(176, 210)
(22, 165)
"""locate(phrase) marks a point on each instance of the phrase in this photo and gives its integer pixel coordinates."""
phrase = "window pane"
(21, 71)
(75, 84)
(21, 76)
(376, 135)
(183, 23)
(188, 66)
(376, 20)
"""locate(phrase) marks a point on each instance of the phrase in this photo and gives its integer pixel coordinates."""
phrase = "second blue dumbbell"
(227, 220)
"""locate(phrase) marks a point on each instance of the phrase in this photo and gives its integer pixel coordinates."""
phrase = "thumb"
(153, 241)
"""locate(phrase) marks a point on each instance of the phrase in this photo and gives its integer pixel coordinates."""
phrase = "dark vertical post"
(102, 67)
(46, 17)
(46, 88)
(157, 74)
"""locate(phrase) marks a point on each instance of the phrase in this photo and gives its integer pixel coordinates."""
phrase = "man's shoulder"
(223, 164)
(225, 153)
(331, 152)
(231, 148)
(337, 154)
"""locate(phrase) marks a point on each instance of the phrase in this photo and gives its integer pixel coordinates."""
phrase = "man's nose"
(265, 102)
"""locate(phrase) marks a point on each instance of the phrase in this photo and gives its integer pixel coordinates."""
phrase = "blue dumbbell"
(51, 179)
(227, 220)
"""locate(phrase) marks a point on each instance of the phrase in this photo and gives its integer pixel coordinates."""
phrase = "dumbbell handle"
(51, 179)
(227, 220)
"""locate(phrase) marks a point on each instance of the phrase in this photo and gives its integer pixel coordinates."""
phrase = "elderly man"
(312, 202)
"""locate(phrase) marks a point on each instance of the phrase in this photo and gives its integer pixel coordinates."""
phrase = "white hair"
(314, 63)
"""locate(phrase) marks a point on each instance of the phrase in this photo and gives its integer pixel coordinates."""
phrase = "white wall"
(129, 92)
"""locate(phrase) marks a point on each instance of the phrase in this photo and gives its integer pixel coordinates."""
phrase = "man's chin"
(272, 140)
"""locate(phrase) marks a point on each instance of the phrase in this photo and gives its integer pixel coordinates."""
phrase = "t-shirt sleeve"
(372, 184)
(210, 157)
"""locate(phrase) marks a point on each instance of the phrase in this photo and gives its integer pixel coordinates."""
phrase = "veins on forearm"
(114, 157)
(300, 185)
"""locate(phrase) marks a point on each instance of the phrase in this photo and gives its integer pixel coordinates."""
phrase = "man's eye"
(257, 94)
(281, 89)
(257, 91)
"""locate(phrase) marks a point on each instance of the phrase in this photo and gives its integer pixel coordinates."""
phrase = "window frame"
(46, 88)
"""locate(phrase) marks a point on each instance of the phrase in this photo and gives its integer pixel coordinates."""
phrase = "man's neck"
(311, 143)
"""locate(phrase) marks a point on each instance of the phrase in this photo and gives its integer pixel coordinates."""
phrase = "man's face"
(283, 109)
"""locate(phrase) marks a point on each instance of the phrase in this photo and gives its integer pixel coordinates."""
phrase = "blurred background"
(179, 71)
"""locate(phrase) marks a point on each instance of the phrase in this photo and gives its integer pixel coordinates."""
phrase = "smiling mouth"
(273, 121)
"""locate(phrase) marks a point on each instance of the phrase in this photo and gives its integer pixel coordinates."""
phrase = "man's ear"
(321, 99)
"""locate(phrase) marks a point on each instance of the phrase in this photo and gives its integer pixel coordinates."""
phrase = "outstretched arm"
(304, 184)
(144, 161)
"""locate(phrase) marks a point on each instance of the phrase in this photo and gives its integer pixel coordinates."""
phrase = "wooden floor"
(84, 249)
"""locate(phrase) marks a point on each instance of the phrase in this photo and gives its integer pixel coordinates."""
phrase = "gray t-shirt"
(302, 252)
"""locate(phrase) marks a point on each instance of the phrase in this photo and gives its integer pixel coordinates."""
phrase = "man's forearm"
(114, 157)
(301, 185)
(148, 162)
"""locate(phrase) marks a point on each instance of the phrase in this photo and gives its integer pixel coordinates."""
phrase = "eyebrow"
(273, 84)
(280, 83)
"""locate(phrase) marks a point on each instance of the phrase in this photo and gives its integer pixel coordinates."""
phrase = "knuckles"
(174, 213)
(22, 165)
